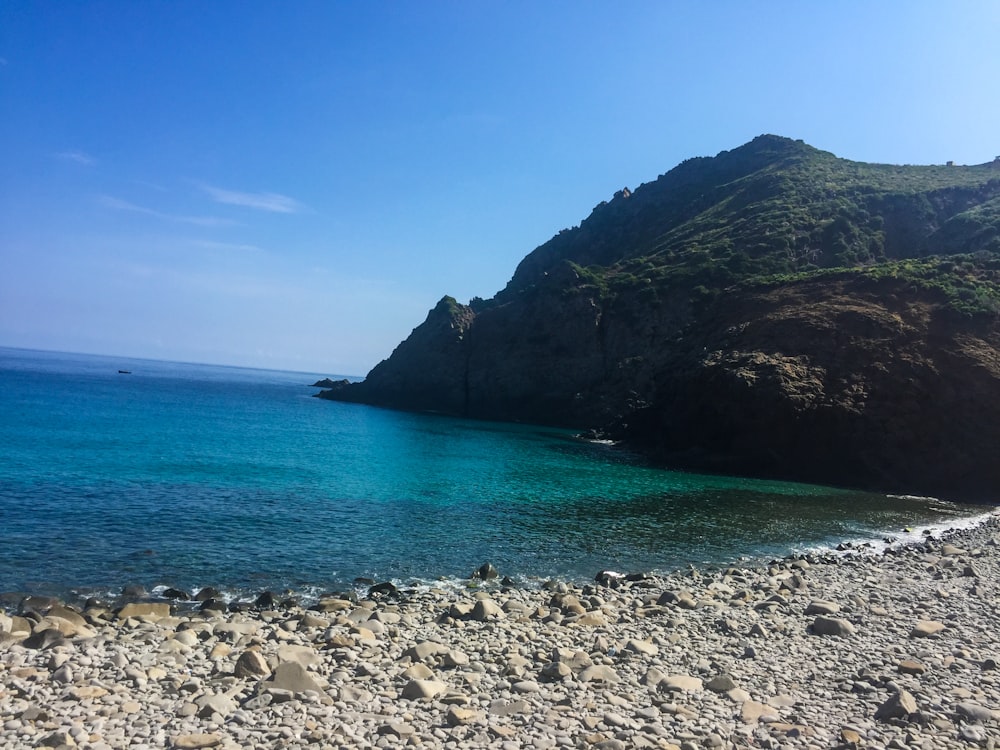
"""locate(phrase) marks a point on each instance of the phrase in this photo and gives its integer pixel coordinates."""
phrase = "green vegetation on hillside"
(775, 210)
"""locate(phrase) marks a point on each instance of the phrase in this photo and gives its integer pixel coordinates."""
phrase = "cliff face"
(772, 311)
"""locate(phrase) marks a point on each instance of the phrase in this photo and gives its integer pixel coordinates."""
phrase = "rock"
(487, 609)
(908, 666)
(144, 610)
(44, 639)
(834, 626)
(525, 686)
(135, 591)
(973, 711)
(926, 629)
(644, 648)
(457, 716)
(677, 683)
(195, 741)
(851, 736)
(251, 664)
(265, 600)
(424, 651)
(292, 676)
(486, 572)
(752, 712)
(87, 692)
(396, 729)
(59, 738)
(63, 675)
(598, 673)
(215, 704)
(591, 620)
(453, 658)
(554, 671)
(423, 689)
(354, 694)
(384, 589)
(723, 683)
(973, 733)
(738, 695)
(899, 706)
(304, 655)
(309, 620)
(177, 594)
(609, 578)
(822, 607)
(418, 671)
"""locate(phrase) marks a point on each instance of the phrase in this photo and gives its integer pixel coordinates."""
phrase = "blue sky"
(294, 185)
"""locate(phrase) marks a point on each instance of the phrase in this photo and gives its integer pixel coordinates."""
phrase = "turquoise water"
(190, 475)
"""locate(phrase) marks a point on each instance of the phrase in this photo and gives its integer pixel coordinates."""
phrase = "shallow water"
(189, 475)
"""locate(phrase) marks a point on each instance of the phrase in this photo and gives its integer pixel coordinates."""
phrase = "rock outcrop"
(772, 311)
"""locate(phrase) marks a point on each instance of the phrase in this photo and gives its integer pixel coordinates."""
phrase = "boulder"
(486, 572)
(251, 665)
(834, 626)
(151, 611)
(899, 706)
(487, 609)
(680, 683)
(822, 607)
(423, 689)
(926, 629)
(293, 677)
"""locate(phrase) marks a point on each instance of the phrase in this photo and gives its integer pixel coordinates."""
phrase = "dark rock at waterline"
(176, 594)
(266, 600)
(206, 593)
(39, 604)
(386, 588)
(634, 577)
(362, 581)
(609, 578)
(236, 606)
(134, 592)
(213, 605)
(507, 582)
(486, 572)
(329, 383)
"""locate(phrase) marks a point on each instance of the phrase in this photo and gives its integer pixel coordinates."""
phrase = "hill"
(773, 310)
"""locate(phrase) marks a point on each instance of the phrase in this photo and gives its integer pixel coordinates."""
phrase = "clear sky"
(294, 184)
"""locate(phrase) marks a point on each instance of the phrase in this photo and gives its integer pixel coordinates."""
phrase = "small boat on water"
(124, 372)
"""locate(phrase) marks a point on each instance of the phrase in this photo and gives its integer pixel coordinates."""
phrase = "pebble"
(854, 650)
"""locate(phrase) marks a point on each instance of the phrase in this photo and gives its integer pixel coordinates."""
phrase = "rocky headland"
(772, 311)
(893, 650)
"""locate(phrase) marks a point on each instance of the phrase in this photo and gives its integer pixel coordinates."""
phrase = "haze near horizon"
(295, 186)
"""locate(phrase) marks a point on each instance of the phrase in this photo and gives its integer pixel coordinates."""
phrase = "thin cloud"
(273, 202)
(78, 157)
(227, 246)
(117, 204)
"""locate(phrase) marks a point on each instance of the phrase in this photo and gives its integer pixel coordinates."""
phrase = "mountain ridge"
(713, 274)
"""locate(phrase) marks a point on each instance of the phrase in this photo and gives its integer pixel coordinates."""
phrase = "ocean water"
(190, 475)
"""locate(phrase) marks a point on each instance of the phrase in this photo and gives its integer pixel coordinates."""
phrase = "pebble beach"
(895, 649)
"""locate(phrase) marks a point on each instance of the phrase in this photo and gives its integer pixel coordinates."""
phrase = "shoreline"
(895, 649)
(865, 542)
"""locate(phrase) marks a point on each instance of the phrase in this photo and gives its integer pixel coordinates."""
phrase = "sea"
(131, 472)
